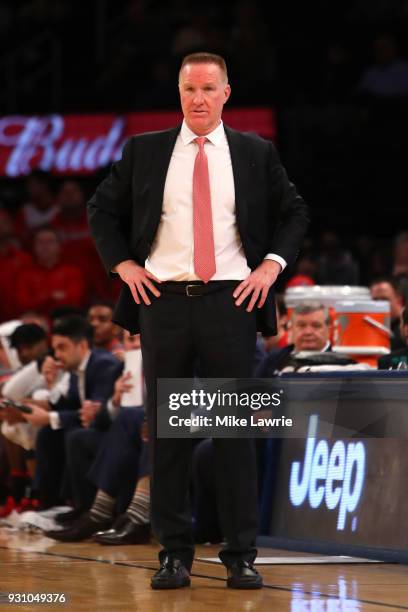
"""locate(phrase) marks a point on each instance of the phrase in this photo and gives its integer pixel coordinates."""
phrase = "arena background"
(328, 82)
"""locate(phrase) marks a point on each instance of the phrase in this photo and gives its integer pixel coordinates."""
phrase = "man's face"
(385, 291)
(203, 93)
(46, 247)
(310, 332)
(100, 317)
(29, 352)
(39, 192)
(67, 352)
(71, 196)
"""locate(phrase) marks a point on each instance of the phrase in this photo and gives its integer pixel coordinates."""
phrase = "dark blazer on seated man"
(100, 373)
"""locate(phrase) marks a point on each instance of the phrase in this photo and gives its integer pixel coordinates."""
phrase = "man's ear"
(227, 92)
(85, 346)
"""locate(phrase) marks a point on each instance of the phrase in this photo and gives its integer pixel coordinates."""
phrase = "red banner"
(80, 144)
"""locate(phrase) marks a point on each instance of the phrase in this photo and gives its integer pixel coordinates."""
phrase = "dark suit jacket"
(125, 211)
(101, 373)
(393, 359)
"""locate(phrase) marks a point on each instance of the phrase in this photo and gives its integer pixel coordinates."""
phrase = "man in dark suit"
(309, 332)
(198, 221)
(78, 400)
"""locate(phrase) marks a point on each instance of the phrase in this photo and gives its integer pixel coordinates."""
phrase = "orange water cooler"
(362, 329)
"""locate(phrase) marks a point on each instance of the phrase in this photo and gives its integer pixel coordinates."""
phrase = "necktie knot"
(200, 140)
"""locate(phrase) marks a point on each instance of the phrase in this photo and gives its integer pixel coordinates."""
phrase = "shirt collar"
(84, 362)
(215, 137)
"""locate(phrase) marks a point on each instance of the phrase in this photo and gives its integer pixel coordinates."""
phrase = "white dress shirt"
(172, 253)
(62, 388)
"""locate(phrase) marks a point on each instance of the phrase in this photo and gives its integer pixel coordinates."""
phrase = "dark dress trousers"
(110, 460)
(124, 216)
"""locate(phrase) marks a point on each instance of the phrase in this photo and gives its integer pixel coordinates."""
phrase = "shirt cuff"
(112, 409)
(278, 259)
(55, 420)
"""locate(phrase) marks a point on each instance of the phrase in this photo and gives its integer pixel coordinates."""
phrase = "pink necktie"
(204, 256)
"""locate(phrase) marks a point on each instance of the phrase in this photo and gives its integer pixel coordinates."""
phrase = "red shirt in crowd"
(11, 265)
(78, 249)
(43, 289)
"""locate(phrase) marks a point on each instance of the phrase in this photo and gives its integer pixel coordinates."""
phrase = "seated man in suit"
(309, 331)
(82, 403)
(103, 468)
(397, 360)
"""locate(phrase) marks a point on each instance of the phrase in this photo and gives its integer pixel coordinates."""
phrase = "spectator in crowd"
(309, 331)
(397, 359)
(387, 289)
(83, 445)
(106, 334)
(48, 283)
(40, 209)
(103, 473)
(71, 221)
(30, 341)
(310, 328)
(82, 402)
(250, 40)
(77, 246)
(31, 316)
(335, 265)
(338, 73)
(388, 76)
(400, 266)
(12, 260)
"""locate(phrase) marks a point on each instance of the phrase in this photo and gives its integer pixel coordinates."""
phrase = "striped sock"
(102, 509)
(139, 507)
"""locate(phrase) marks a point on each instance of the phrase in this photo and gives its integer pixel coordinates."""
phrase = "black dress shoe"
(243, 575)
(124, 531)
(63, 518)
(81, 529)
(171, 575)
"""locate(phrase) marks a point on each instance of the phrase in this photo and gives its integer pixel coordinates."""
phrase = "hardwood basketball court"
(95, 577)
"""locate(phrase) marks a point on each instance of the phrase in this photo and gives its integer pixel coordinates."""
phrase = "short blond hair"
(203, 57)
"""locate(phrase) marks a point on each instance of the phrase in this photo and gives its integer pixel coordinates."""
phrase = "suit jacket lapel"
(158, 172)
(240, 169)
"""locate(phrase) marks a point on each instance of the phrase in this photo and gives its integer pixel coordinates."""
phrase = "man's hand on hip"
(257, 283)
(137, 278)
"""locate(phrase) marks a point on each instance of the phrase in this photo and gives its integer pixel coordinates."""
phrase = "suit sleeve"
(102, 391)
(109, 211)
(68, 412)
(291, 217)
